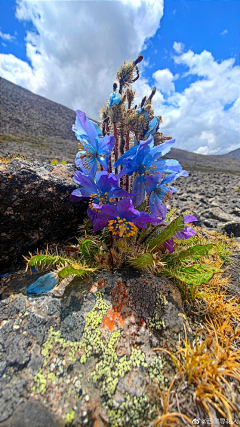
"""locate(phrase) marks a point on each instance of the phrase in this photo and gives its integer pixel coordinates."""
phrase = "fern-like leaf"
(46, 260)
(77, 270)
(195, 274)
(88, 249)
(193, 253)
(143, 261)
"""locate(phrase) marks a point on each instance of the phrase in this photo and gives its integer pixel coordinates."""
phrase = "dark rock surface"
(46, 383)
(212, 198)
(35, 208)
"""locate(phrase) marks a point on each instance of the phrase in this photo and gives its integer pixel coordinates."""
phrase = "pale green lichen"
(70, 417)
(41, 383)
(132, 412)
(157, 321)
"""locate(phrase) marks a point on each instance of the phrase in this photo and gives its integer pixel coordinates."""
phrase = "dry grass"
(210, 362)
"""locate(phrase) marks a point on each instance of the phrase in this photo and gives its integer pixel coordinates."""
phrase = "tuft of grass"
(210, 363)
(168, 419)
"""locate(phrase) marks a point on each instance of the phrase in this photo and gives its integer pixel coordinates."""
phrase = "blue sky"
(69, 51)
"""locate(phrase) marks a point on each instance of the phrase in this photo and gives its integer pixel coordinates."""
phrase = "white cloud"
(178, 47)
(6, 37)
(164, 81)
(223, 32)
(78, 47)
(198, 117)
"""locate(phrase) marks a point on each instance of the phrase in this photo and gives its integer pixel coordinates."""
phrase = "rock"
(11, 395)
(72, 327)
(115, 320)
(35, 208)
(213, 198)
(33, 414)
(231, 228)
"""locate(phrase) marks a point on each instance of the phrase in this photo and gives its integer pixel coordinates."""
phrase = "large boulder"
(35, 208)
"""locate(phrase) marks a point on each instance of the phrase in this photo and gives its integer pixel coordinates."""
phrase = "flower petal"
(173, 176)
(105, 145)
(190, 218)
(84, 127)
(167, 165)
(162, 149)
(86, 181)
(78, 194)
(186, 233)
(129, 153)
(152, 182)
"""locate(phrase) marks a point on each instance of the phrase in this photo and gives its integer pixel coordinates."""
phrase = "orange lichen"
(120, 308)
(111, 319)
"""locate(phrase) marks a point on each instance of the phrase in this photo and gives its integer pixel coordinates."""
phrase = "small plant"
(55, 162)
(209, 363)
(123, 174)
(12, 156)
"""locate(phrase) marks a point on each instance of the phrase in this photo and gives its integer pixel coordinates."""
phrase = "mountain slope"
(24, 113)
(232, 155)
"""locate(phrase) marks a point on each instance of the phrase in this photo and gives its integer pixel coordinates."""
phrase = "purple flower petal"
(78, 194)
(186, 233)
(169, 244)
(190, 218)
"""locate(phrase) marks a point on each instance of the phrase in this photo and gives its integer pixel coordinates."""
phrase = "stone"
(231, 227)
(35, 208)
(33, 413)
(72, 327)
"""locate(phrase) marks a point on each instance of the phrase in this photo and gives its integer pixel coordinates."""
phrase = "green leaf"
(88, 248)
(41, 260)
(176, 225)
(143, 261)
(67, 271)
(196, 274)
(195, 251)
(144, 232)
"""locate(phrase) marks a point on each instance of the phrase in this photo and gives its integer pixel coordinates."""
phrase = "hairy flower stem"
(151, 232)
(122, 152)
(115, 146)
(106, 129)
(127, 148)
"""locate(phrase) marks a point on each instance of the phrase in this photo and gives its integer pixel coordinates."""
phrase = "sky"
(70, 51)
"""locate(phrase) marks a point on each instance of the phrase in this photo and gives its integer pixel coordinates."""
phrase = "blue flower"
(122, 219)
(144, 160)
(115, 98)
(160, 192)
(92, 147)
(153, 126)
(104, 190)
